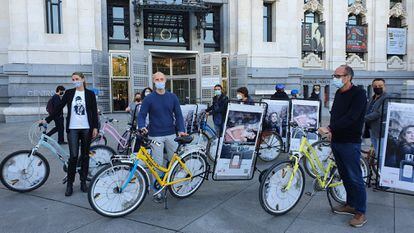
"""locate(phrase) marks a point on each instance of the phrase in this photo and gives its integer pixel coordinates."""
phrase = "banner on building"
(237, 149)
(356, 39)
(397, 151)
(306, 114)
(313, 37)
(397, 41)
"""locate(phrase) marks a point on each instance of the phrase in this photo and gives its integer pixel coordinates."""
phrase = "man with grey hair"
(165, 118)
(345, 131)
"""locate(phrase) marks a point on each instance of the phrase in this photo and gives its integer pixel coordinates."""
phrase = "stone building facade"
(253, 43)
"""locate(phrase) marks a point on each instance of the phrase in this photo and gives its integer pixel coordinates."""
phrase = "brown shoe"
(344, 209)
(358, 220)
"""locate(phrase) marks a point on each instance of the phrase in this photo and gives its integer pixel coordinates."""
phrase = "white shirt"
(79, 117)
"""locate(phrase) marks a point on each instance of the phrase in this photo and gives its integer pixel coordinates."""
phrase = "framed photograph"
(277, 117)
(397, 149)
(189, 114)
(236, 154)
(306, 114)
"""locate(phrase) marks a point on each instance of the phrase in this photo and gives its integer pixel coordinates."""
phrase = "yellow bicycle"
(283, 183)
(120, 188)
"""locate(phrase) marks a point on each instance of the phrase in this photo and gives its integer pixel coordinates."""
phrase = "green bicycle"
(283, 183)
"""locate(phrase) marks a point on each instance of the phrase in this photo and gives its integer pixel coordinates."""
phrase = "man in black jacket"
(280, 93)
(345, 131)
(218, 108)
(54, 102)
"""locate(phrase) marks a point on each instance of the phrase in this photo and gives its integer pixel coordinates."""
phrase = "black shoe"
(84, 187)
(62, 143)
(69, 190)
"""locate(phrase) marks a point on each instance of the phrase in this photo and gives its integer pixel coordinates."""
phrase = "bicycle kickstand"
(165, 200)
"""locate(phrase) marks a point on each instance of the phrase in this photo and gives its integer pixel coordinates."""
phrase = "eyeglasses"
(338, 75)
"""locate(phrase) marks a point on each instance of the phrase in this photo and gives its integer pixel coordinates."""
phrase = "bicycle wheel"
(99, 140)
(270, 147)
(99, 155)
(273, 197)
(23, 173)
(120, 148)
(323, 151)
(104, 194)
(200, 139)
(338, 193)
(211, 149)
(197, 164)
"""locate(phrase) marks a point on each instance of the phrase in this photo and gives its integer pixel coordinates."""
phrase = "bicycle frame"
(144, 156)
(52, 145)
(307, 150)
(108, 128)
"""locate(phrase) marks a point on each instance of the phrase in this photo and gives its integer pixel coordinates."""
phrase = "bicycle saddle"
(184, 139)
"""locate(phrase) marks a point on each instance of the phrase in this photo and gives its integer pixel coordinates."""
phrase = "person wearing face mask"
(145, 93)
(345, 131)
(165, 120)
(133, 109)
(373, 116)
(218, 108)
(59, 121)
(243, 96)
(81, 126)
(280, 93)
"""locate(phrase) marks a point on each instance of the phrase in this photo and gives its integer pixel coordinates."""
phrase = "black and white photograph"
(237, 148)
(277, 117)
(189, 114)
(305, 114)
(397, 153)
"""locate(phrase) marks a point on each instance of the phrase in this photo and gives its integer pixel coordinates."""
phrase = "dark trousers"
(347, 157)
(59, 128)
(76, 138)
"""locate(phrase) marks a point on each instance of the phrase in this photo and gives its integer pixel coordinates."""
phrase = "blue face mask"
(160, 85)
(77, 83)
(217, 92)
(337, 82)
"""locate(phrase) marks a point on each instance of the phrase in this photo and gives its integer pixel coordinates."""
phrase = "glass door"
(119, 80)
(181, 87)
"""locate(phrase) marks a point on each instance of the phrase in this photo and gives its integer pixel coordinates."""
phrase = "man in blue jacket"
(165, 118)
(345, 131)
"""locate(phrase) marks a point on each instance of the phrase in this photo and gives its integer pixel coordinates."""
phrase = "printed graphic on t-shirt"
(79, 108)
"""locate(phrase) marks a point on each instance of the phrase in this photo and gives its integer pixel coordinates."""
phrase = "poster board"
(306, 114)
(313, 37)
(189, 115)
(277, 117)
(356, 39)
(236, 154)
(397, 152)
(397, 41)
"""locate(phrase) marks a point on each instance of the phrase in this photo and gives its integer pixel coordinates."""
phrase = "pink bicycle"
(124, 140)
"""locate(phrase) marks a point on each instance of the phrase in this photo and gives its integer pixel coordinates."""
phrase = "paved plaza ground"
(216, 207)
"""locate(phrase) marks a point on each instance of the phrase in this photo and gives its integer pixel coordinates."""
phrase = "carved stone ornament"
(313, 6)
(395, 63)
(356, 62)
(398, 11)
(312, 61)
(357, 8)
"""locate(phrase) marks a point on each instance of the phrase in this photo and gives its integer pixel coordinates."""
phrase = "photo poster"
(236, 154)
(200, 108)
(189, 114)
(277, 117)
(397, 41)
(397, 153)
(306, 114)
(356, 39)
(313, 37)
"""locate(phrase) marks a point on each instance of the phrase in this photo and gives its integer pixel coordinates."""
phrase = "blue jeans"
(347, 157)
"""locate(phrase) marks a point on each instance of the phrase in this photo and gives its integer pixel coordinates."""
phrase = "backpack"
(49, 106)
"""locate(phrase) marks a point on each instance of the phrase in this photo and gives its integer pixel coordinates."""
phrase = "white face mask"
(147, 93)
(239, 97)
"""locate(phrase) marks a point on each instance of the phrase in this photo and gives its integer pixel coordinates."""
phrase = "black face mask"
(378, 91)
(138, 99)
(61, 93)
